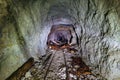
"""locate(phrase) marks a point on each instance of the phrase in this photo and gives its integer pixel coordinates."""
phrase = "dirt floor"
(60, 65)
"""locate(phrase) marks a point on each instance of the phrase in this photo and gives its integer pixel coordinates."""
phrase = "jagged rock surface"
(25, 24)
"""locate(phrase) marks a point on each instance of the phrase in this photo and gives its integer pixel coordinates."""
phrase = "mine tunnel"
(59, 40)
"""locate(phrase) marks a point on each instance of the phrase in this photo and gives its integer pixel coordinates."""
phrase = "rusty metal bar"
(49, 65)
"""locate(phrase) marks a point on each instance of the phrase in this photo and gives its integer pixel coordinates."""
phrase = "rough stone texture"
(25, 24)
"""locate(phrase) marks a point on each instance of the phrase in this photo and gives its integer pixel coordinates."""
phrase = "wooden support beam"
(20, 72)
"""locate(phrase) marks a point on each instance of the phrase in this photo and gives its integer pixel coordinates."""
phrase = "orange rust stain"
(82, 69)
(68, 47)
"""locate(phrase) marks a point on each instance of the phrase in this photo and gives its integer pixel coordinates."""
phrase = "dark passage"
(61, 36)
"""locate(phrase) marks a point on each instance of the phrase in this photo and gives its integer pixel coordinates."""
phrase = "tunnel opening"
(61, 37)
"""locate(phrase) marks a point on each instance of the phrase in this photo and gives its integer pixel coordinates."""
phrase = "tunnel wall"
(24, 26)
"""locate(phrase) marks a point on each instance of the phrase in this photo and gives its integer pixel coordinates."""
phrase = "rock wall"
(25, 24)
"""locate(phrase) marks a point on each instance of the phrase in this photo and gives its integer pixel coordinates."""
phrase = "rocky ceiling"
(25, 25)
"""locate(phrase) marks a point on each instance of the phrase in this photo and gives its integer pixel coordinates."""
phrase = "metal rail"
(51, 59)
(67, 75)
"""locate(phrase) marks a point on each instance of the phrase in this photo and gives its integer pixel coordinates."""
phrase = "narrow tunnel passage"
(63, 62)
(62, 36)
(60, 39)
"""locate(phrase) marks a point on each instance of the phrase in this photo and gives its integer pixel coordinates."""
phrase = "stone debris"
(60, 66)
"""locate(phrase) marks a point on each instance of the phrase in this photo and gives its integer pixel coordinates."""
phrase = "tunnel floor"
(60, 65)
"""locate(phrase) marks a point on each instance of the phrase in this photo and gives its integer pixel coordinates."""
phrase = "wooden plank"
(20, 72)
